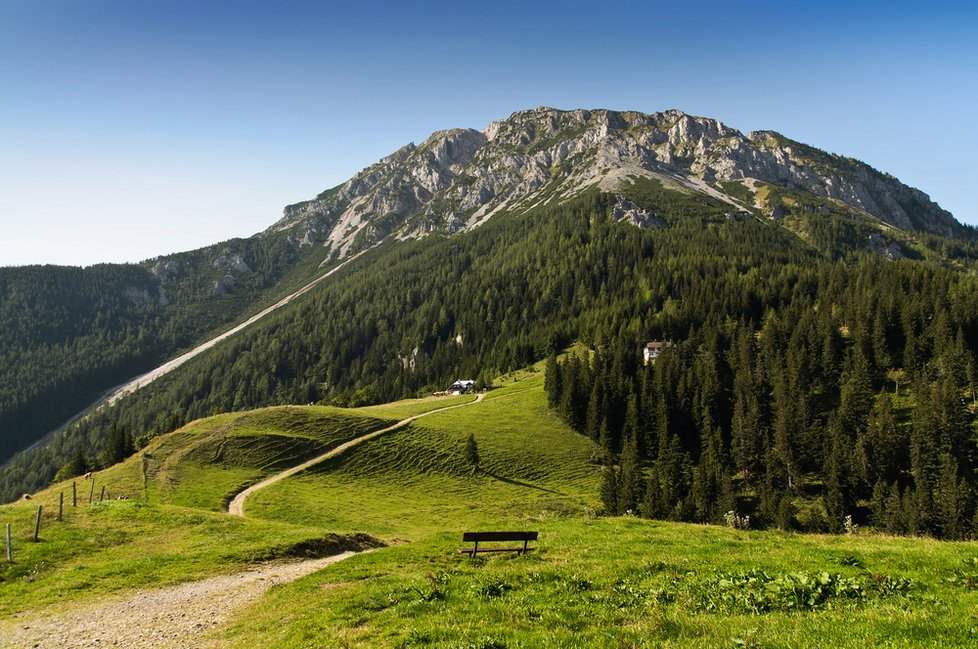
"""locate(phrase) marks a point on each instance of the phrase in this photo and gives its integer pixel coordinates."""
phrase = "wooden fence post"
(10, 548)
(74, 494)
(61, 504)
(91, 493)
(101, 496)
(37, 524)
(145, 478)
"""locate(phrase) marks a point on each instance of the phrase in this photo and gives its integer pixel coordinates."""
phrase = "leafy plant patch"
(967, 576)
(755, 591)
(752, 591)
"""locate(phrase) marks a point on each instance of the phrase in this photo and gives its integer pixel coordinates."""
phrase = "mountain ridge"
(457, 178)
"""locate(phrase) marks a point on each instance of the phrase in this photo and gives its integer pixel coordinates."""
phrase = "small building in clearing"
(462, 386)
(653, 349)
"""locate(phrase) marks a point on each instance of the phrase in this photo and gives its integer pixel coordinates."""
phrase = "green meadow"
(590, 581)
(625, 582)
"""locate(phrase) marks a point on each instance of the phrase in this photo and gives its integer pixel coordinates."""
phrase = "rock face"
(230, 261)
(456, 179)
(222, 286)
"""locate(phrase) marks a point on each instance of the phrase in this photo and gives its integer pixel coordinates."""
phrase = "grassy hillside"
(625, 582)
(206, 462)
(415, 481)
(603, 582)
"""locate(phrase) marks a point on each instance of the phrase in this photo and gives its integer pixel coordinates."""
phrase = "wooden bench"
(496, 537)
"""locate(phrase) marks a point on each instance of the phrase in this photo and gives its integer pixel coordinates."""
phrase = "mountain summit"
(456, 179)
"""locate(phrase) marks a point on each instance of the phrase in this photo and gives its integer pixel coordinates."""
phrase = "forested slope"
(411, 316)
(68, 334)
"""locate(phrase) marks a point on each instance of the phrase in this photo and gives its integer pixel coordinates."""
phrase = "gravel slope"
(177, 617)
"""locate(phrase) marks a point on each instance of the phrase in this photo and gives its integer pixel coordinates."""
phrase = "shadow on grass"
(520, 484)
(327, 546)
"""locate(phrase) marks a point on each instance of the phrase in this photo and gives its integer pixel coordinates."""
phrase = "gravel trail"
(176, 617)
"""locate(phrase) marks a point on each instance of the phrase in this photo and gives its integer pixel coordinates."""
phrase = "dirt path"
(177, 617)
(236, 506)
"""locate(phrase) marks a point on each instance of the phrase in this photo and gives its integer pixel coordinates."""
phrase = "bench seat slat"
(498, 536)
(478, 537)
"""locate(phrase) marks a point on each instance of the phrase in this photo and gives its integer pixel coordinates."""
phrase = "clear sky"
(134, 128)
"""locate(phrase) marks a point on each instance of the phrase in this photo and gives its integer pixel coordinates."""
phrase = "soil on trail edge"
(178, 617)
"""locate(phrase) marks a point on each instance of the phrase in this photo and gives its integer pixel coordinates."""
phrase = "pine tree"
(630, 427)
(472, 452)
(118, 445)
(76, 466)
(923, 437)
(551, 381)
(877, 505)
(629, 477)
(895, 521)
(708, 476)
(79, 463)
(595, 412)
(881, 347)
(838, 497)
(609, 490)
(949, 497)
(652, 502)
(917, 505)
(888, 451)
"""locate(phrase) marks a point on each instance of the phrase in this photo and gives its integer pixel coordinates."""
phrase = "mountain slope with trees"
(487, 251)
(69, 334)
(410, 317)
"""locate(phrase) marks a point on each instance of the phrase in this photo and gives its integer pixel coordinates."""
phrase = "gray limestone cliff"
(457, 179)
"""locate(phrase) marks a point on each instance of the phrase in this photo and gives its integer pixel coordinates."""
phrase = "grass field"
(411, 407)
(415, 481)
(601, 582)
(207, 461)
(633, 583)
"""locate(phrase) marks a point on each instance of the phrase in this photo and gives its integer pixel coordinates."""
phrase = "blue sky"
(130, 129)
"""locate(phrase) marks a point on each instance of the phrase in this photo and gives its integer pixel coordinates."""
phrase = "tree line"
(853, 394)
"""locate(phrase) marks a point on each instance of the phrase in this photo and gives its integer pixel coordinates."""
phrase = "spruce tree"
(472, 452)
(629, 477)
(652, 501)
(551, 381)
(895, 521)
(877, 505)
(609, 490)
(949, 497)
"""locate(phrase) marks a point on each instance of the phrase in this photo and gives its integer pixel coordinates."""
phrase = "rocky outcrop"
(456, 179)
(136, 295)
(889, 249)
(626, 210)
(223, 286)
(165, 269)
(230, 261)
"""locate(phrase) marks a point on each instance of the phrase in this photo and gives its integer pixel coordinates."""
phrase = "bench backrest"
(498, 536)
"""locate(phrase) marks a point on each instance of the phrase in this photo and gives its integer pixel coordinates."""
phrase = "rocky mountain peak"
(458, 178)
